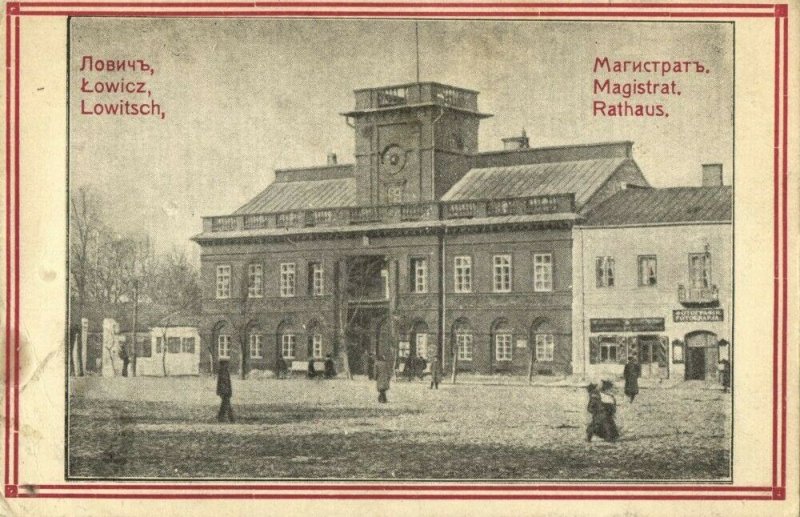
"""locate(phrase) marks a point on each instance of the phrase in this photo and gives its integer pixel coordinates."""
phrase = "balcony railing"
(388, 214)
(698, 295)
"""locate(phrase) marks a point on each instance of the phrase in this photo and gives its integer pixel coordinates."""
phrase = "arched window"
(419, 336)
(287, 340)
(543, 341)
(463, 340)
(502, 337)
(315, 346)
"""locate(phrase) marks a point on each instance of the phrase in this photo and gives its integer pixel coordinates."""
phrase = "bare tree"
(174, 287)
(86, 233)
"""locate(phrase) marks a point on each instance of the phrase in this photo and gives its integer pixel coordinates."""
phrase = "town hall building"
(422, 245)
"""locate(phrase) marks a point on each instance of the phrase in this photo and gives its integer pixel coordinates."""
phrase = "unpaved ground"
(299, 428)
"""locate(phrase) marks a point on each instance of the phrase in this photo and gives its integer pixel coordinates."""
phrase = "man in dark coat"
(436, 373)
(330, 369)
(224, 391)
(631, 373)
(368, 364)
(281, 368)
(312, 372)
(725, 374)
(383, 376)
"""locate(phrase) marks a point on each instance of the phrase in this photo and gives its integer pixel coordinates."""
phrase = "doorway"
(701, 355)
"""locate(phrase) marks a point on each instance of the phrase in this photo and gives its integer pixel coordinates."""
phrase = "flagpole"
(416, 37)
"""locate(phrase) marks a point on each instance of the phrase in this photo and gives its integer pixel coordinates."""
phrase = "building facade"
(654, 280)
(424, 245)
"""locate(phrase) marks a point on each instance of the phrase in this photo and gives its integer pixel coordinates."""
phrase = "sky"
(243, 97)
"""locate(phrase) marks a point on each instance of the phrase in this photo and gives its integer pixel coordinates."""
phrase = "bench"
(302, 367)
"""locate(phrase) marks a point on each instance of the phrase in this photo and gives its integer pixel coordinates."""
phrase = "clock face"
(393, 159)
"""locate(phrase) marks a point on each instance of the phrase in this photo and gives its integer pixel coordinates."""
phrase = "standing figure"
(436, 373)
(368, 364)
(224, 391)
(383, 376)
(602, 406)
(312, 371)
(725, 374)
(281, 369)
(330, 369)
(632, 372)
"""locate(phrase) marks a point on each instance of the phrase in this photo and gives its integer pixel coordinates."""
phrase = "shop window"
(608, 350)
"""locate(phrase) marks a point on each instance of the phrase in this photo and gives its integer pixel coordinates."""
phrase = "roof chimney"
(712, 174)
(516, 142)
(331, 159)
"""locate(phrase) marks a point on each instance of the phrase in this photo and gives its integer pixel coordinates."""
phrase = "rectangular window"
(223, 281)
(608, 351)
(404, 349)
(316, 279)
(316, 346)
(255, 281)
(542, 272)
(419, 275)
(422, 345)
(144, 347)
(288, 343)
(502, 273)
(463, 274)
(256, 346)
(604, 270)
(224, 346)
(544, 347)
(502, 347)
(288, 279)
(464, 343)
(174, 345)
(648, 273)
(700, 269)
(187, 345)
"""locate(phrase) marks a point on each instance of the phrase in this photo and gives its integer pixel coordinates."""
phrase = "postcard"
(432, 258)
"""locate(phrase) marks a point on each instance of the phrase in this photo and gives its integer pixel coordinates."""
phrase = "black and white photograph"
(400, 249)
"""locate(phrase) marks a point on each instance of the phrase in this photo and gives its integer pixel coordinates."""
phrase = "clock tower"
(413, 141)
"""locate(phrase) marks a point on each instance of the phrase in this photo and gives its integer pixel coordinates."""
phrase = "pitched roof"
(302, 195)
(664, 205)
(581, 177)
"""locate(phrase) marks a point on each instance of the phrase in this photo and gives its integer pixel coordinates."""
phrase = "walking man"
(224, 391)
(435, 373)
(632, 372)
(383, 376)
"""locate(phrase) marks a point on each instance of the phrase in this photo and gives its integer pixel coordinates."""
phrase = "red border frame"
(438, 10)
